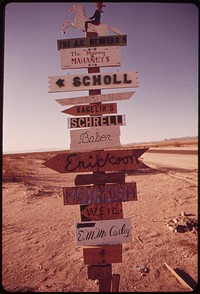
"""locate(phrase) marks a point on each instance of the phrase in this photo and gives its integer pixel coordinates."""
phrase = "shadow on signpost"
(186, 277)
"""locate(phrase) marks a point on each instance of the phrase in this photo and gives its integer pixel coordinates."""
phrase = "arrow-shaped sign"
(85, 225)
(95, 98)
(93, 81)
(96, 161)
(92, 109)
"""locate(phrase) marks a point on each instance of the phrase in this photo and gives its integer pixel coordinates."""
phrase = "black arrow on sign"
(60, 83)
(84, 225)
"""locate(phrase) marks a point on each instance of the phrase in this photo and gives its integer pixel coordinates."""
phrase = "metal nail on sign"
(89, 57)
(103, 232)
(93, 81)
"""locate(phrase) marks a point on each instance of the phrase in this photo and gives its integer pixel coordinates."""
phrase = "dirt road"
(178, 158)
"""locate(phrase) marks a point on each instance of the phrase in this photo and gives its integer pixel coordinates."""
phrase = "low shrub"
(14, 171)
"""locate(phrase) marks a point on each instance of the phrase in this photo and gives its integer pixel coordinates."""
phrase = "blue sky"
(162, 44)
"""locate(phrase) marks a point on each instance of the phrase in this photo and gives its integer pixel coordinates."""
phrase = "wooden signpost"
(95, 98)
(101, 211)
(93, 41)
(95, 138)
(91, 81)
(102, 228)
(96, 121)
(99, 272)
(103, 232)
(100, 178)
(100, 194)
(96, 161)
(92, 109)
(102, 254)
(90, 57)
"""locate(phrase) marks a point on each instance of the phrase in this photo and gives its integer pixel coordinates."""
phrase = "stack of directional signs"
(95, 131)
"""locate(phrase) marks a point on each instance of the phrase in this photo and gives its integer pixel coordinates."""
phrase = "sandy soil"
(39, 252)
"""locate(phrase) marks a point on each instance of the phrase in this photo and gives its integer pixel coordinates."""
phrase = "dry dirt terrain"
(39, 252)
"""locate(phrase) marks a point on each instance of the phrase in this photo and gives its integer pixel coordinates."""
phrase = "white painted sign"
(89, 57)
(95, 138)
(95, 98)
(109, 232)
(96, 121)
(80, 82)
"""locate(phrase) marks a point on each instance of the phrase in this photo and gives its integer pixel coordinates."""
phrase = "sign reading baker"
(95, 138)
(93, 81)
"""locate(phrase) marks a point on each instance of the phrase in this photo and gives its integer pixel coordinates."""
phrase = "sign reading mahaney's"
(90, 57)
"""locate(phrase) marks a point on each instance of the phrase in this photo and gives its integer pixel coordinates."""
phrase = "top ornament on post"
(83, 23)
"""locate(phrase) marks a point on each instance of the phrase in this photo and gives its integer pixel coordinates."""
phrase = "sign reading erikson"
(90, 57)
(96, 161)
(103, 232)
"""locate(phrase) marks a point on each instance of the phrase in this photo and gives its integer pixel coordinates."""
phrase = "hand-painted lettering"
(72, 163)
(86, 138)
(100, 80)
(100, 194)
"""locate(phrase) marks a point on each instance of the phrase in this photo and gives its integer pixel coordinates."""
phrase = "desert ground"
(39, 252)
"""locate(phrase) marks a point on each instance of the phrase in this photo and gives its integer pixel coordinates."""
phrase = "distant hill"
(175, 142)
(166, 142)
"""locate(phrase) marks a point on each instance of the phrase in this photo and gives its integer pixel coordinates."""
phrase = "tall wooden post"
(100, 204)
(104, 284)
